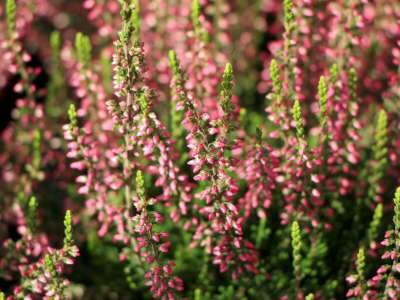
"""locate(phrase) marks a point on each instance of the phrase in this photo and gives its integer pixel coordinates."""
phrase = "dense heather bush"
(200, 149)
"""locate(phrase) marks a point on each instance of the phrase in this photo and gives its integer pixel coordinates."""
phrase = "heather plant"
(192, 149)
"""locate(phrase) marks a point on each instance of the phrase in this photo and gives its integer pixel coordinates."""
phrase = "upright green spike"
(259, 137)
(375, 223)
(83, 48)
(297, 116)
(360, 266)
(56, 103)
(296, 252)
(228, 76)
(380, 154)
(135, 18)
(243, 116)
(11, 10)
(31, 217)
(288, 14)
(127, 23)
(353, 81)
(55, 45)
(144, 104)
(396, 217)
(49, 264)
(287, 54)
(198, 29)
(310, 297)
(333, 73)
(381, 138)
(197, 294)
(173, 62)
(177, 92)
(140, 189)
(389, 291)
(227, 89)
(73, 121)
(68, 229)
(106, 72)
(37, 137)
(196, 12)
(275, 77)
(261, 232)
(178, 132)
(323, 100)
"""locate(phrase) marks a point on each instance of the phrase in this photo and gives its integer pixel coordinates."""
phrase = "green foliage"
(106, 271)
(226, 293)
(83, 49)
(134, 274)
(314, 262)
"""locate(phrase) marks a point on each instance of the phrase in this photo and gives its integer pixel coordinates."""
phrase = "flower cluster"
(207, 149)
